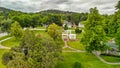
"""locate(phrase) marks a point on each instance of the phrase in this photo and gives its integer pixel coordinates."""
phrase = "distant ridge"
(55, 11)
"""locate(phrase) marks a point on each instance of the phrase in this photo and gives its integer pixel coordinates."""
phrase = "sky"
(104, 6)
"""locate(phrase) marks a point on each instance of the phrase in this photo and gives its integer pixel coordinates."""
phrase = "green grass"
(111, 58)
(41, 32)
(11, 42)
(87, 61)
(4, 37)
(67, 49)
(1, 53)
(76, 45)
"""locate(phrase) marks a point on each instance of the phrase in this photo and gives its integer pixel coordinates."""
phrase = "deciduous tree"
(94, 33)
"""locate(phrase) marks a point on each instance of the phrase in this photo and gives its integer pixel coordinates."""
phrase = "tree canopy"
(94, 33)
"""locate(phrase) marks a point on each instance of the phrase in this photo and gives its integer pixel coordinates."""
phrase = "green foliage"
(2, 51)
(28, 38)
(77, 65)
(118, 5)
(5, 25)
(35, 52)
(78, 30)
(17, 63)
(55, 31)
(113, 24)
(94, 35)
(117, 20)
(16, 30)
(117, 38)
(66, 27)
(7, 56)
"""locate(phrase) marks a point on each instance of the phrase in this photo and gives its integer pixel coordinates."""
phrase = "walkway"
(101, 59)
(34, 29)
(4, 47)
(73, 49)
(98, 56)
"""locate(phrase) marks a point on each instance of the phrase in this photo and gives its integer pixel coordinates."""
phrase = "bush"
(7, 56)
(77, 65)
(66, 27)
(78, 31)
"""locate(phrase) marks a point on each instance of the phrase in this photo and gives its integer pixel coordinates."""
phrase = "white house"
(69, 24)
(67, 35)
(72, 36)
(68, 32)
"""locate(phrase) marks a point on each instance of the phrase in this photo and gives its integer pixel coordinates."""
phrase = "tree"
(7, 56)
(117, 20)
(55, 31)
(16, 30)
(17, 63)
(117, 38)
(66, 27)
(78, 30)
(118, 5)
(5, 25)
(94, 34)
(35, 52)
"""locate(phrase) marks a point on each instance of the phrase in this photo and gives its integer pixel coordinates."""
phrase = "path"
(74, 50)
(34, 29)
(101, 59)
(4, 47)
(98, 56)
(3, 34)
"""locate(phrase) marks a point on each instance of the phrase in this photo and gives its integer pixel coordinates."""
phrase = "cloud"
(104, 6)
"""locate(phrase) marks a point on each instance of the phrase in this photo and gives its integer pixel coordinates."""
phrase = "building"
(69, 24)
(67, 35)
(72, 36)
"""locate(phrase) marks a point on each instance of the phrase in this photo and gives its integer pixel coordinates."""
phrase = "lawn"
(67, 49)
(1, 38)
(76, 45)
(11, 42)
(1, 53)
(87, 61)
(110, 58)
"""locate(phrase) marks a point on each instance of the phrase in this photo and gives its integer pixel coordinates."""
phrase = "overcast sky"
(104, 6)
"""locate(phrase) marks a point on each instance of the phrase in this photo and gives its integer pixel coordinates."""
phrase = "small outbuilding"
(72, 36)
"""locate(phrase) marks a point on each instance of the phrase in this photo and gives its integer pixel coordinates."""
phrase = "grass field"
(11, 42)
(76, 45)
(87, 61)
(111, 58)
(5, 37)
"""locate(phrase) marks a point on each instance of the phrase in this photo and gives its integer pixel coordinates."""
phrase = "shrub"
(66, 27)
(77, 30)
(77, 65)
(7, 56)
